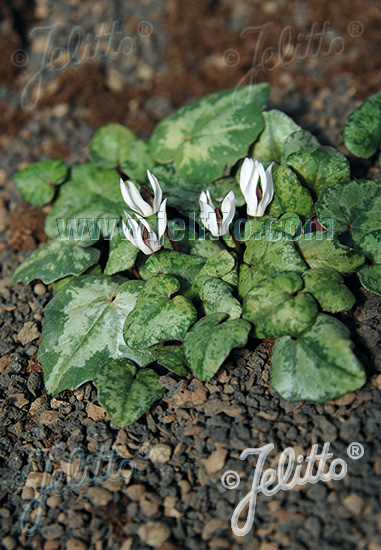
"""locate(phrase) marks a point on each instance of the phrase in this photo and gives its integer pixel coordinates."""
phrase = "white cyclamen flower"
(256, 200)
(215, 219)
(140, 234)
(142, 202)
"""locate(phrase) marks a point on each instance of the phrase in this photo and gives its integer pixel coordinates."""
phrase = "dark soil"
(168, 493)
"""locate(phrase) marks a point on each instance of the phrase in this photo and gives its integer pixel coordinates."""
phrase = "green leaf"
(328, 288)
(277, 307)
(36, 182)
(171, 357)
(289, 224)
(206, 247)
(216, 296)
(157, 317)
(219, 264)
(111, 145)
(138, 161)
(370, 278)
(319, 365)
(210, 341)
(60, 283)
(122, 254)
(319, 249)
(184, 195)
(124, 393)
(89, 204)
(221, 187)
(362, 132)
(206, 138)
(181, 194)
(299, 141)
(370, 275)
(278, 126)
(320, 168)
(83, 329)
(183, 266)
(266, 257)
(55, 260)
(354, 209)
(290, 195)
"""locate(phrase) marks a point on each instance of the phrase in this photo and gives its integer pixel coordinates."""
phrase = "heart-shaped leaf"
(157, 317)
(89, 204)
(124, 393)
(171, 357)
(216, 296)
(122, 254)
(362, 132)
(181, 194)
(84, 328)
(298, 141)
(206, 247)
(319, 249)
(60, 283)
(328, 288)
(55, 260)
(290, 195)
(183, 266)
(36, 182)
(278, 126)
(219, 264)
(289, 224)
(184, 195)
(138, 161)
(206, 138)
(319, 365)
(210, 341)
(354, 209)
(111, 145)
(370, 275)
(320, 168)
(268, 252)
(276, 306)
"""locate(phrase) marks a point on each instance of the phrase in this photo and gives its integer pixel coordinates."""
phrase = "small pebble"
(99, 496)
(39, 289)
(76, 544)
(154, 533)
(9, 543)
(160, 453)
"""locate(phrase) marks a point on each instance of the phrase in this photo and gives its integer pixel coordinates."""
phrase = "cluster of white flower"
(217, 220)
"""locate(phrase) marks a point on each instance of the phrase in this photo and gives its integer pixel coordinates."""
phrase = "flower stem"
(172, 240)
(237, 245)
(135, 272)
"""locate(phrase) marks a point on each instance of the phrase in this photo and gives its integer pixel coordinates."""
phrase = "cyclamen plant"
(259, 226)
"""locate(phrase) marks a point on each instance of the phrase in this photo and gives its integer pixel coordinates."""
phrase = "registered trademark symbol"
(355, 450)
(355, 29)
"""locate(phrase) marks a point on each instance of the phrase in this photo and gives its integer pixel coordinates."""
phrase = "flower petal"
(136, 237)
(157, 193)
(141, 206)
(210, 202)
(208, 216)
(162, 219)
(228, 211)
(247, 169)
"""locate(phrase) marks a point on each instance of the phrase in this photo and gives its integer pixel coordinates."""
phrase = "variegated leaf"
(84, 328)
(55, 260)
(206, 138)
(157, 316)
(126, 394)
